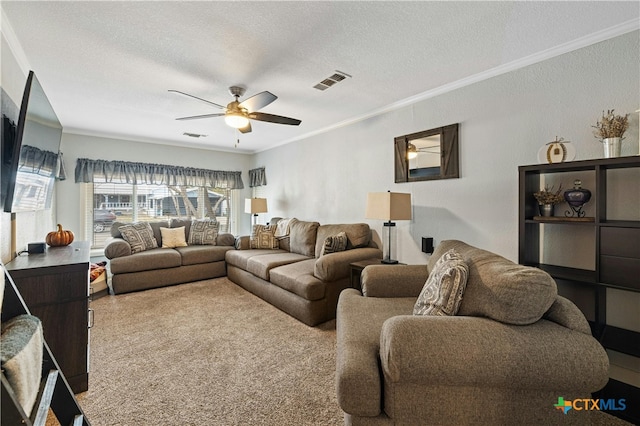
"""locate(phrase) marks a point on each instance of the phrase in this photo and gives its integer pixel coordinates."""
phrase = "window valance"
(40, 162)
(257, 177)
(90, 171)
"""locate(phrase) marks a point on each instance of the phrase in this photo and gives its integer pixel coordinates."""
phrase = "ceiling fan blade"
(195, 97)
(261, 116)
(196, 117)
(245, 129)
(258, 101)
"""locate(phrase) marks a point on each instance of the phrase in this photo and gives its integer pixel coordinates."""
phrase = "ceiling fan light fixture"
(236, 120)
(412, 151)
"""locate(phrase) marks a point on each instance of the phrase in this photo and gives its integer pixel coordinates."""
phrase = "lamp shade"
(255, 205)
(388, 206)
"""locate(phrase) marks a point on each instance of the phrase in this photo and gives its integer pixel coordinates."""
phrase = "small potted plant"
(610, 130)
(547, 198)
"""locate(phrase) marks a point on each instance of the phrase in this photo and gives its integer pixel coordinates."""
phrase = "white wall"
(69, 194)
(503, 123)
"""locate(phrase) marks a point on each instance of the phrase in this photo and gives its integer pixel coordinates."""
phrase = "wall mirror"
(427, 155)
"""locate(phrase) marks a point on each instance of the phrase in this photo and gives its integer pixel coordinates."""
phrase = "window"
(110, 202)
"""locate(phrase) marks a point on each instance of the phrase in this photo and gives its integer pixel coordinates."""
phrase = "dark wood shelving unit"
(616, 247)
(55, 287)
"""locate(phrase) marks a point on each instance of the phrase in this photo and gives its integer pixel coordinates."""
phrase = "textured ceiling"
(107, 66)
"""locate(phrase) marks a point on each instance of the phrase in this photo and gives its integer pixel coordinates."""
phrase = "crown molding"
(588, 40)
(12, 41)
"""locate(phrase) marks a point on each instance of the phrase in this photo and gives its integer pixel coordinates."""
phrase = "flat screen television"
(30, 161)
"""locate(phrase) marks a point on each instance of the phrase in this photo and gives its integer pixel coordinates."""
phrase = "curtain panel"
(257, 177)
(89, 171)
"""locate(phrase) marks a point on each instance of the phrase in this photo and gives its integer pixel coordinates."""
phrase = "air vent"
(194, 135)
(337, 77)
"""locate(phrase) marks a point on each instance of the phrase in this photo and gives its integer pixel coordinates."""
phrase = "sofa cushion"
(203, 232)
(302, 237)
(442, 293)
(261, 265)
(240, 258)
(146, 261)
(262, 237)
(298, 279)
(173, 237)
(139, 236)
(195, 255)
(334, 244)
(358, 235)
(499, 289)
(155, 226)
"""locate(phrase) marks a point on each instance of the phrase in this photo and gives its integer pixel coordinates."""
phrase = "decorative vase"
(577, 198)
(546, 210)
(611, 147)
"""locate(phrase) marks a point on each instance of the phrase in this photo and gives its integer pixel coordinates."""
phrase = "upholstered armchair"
(513, 348)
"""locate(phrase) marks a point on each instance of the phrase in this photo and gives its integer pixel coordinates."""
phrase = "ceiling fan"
(237, 114)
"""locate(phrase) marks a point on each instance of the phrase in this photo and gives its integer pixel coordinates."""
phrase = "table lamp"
(255, 206)
(388, 206)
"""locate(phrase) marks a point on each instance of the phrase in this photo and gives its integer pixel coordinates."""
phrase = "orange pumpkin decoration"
(60, 237)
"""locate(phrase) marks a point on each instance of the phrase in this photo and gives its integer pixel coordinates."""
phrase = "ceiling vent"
(194, 135)
(337, 77)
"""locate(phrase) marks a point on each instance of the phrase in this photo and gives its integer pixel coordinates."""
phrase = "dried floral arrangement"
(549, 196)
(611, 125)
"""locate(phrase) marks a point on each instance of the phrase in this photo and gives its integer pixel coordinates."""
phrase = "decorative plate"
(557, 151)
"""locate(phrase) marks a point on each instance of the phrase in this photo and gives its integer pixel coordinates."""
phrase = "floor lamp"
(388, 206)
(255, 206)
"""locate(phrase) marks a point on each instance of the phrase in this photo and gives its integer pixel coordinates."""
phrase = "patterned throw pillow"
(263, 237)
(173, 237)
(442, 293)
(203, 232)
(335, 243)
(139, 236)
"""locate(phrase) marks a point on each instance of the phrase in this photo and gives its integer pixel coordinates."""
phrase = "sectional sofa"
(300, 277)
(297, 273)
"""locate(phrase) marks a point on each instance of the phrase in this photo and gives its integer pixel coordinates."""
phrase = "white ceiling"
(106, 66)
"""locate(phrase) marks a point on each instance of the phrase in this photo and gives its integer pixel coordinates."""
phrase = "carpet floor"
(207, 353)
(211, 353)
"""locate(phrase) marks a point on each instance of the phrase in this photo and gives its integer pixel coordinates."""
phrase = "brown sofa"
(295, 277)
(164, 266)
(511, 351)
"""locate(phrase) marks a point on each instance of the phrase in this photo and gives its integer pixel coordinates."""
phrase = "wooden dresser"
(55, 287)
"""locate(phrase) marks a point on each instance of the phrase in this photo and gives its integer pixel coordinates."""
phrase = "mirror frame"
(449, 154)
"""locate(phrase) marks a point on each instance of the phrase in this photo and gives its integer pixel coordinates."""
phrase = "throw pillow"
(173, 237)
(203, 232)
(139, 236)
(263, 237)
(442, 293)
(335, 243)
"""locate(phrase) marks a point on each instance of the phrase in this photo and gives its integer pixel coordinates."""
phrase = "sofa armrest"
(334, 266)
(225, 239)
(431, 350)
(117, 247)
(393, 280)
(243, 242)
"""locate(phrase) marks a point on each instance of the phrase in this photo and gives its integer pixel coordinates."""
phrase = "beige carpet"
(210, 353)
(207, 353)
